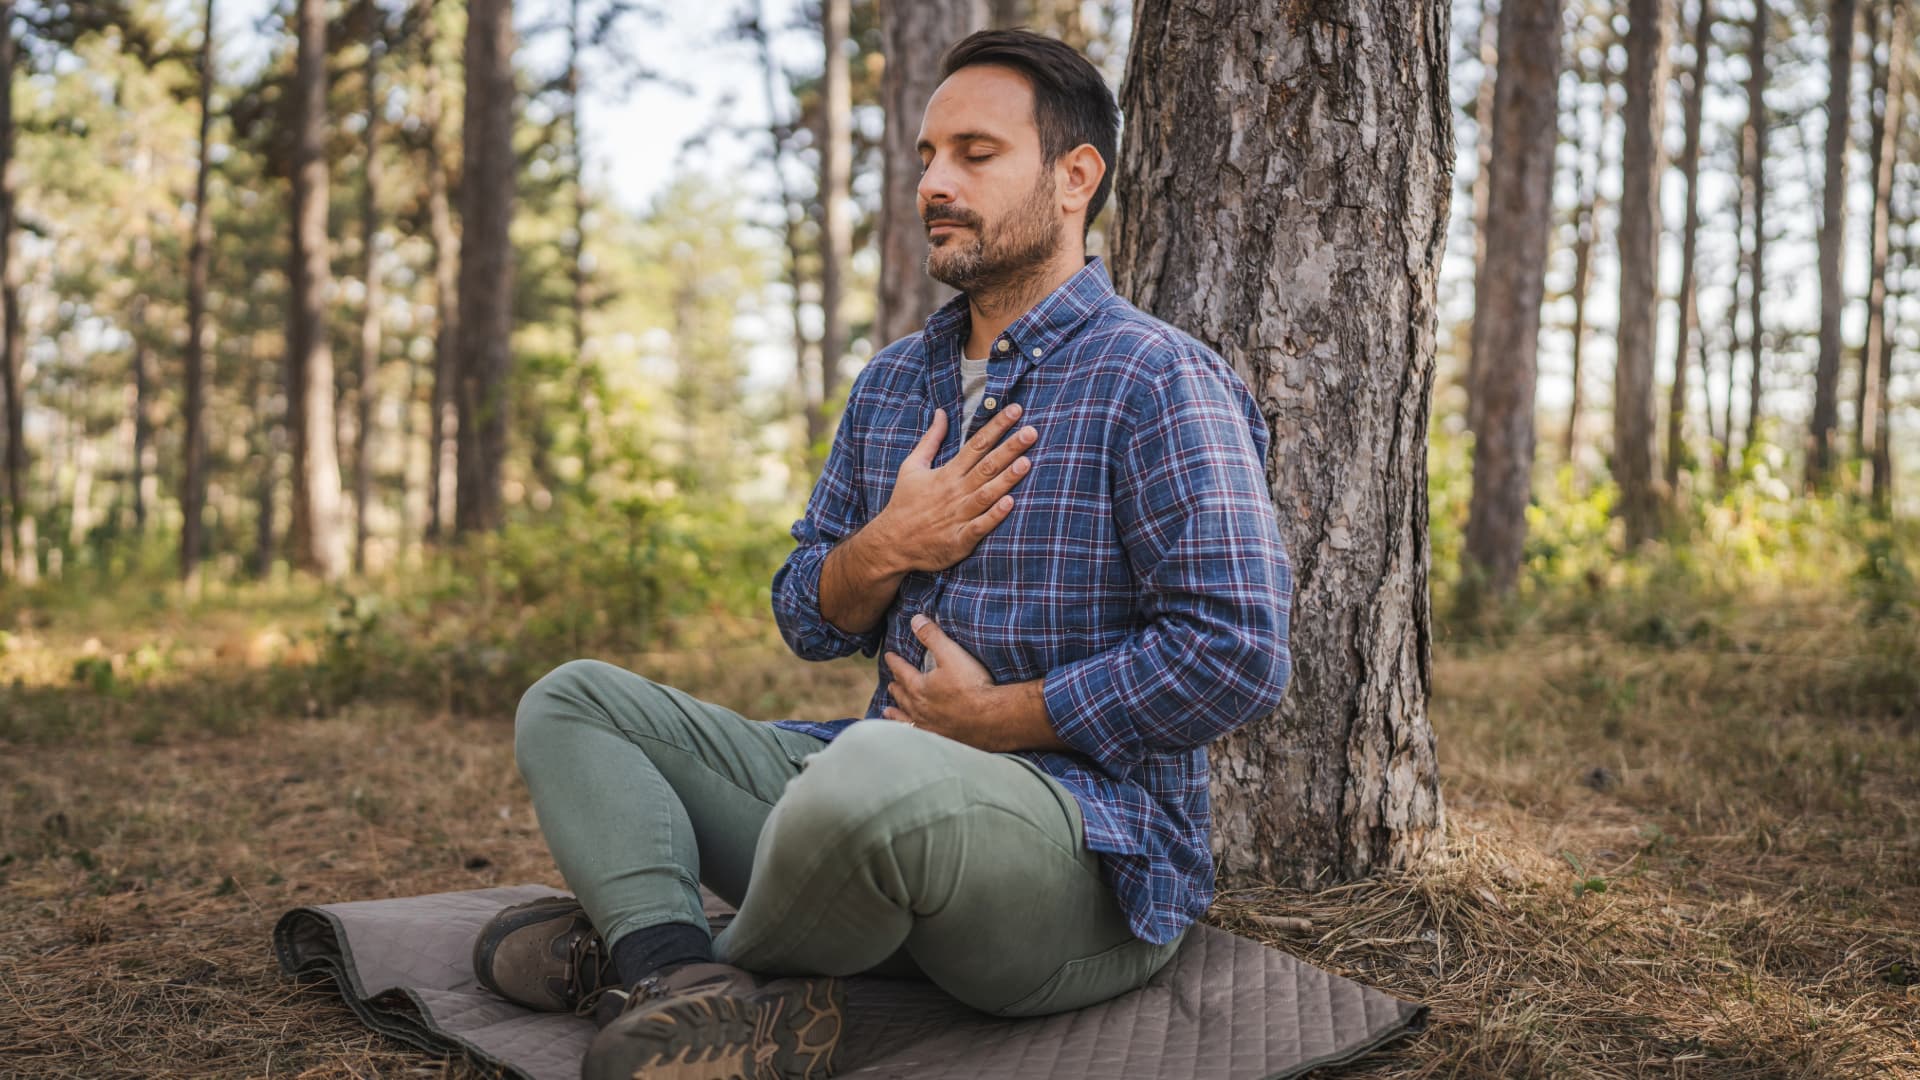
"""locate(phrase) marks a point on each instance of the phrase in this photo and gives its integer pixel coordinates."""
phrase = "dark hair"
(1071, 102)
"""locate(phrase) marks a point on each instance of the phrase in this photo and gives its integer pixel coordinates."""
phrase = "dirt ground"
(1666, 859)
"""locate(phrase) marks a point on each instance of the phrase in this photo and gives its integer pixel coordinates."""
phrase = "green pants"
(890, 851)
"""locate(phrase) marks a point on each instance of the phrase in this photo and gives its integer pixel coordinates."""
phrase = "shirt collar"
(1035, 335)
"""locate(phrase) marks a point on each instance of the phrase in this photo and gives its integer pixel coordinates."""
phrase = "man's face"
(989, 199)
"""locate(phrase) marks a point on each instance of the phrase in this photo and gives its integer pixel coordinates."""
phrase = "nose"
(936, 183)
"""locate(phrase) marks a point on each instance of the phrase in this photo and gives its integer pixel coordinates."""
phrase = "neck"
(994, 309)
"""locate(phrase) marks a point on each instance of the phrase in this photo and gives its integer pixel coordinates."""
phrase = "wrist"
(879, 551)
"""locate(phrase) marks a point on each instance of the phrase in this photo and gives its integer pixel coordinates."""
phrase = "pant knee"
(560, 697)
(875, 776)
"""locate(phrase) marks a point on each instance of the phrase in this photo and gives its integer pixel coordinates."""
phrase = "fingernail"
(919, 621)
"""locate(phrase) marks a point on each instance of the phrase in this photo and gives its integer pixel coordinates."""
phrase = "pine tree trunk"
(1483, 107)
(442, 414)
(1876, 374)
(193, 483)
(486, 264)
(1754, 150)
(915, 34)
(19, 557)
(806, 386)
(1833, 241)
(1642, 161)
(1689, 247)
(1586, 231)
(836, 223)
(1507, 291)
(586, 392)
(369, 358)
(1256, 228)
(315, 535)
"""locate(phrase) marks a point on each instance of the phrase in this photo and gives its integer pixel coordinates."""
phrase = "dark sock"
(652, 949)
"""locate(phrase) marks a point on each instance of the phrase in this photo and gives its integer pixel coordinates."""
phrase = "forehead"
(984, 99)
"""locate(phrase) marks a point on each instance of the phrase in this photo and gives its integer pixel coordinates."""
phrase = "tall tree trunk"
(315, 536)
(1689, 246)
(914, 34)
(1876, 369)
(836, 223)
(193, 483)
(1236, 226)
(140, 366)
(1833, 241)
(1507, 290)
(1642, 162)
(1753, 148)
(1586, 231)
(486, 264)
(266, 448)
(791, 205)
(586, 384)
(442, 415)
(1723, 447)
(20, 558)
(1483, 107)
(369, 359)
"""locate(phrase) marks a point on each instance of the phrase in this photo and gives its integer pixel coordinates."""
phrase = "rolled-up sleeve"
(1191, 503)
(834, 512)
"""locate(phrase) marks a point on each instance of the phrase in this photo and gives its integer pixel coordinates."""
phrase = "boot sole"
(779, 1033)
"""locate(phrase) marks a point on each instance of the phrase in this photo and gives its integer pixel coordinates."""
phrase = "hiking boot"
(543, 954)
(716, 1022)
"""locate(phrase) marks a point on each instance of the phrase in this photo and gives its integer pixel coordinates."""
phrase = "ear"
(1079, 173)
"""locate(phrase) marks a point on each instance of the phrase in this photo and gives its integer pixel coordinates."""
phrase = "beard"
(990, 258)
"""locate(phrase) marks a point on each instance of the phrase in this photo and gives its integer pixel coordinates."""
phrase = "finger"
(898, 714)
(1003, 456)
(986, 438)
(936, 639)
(929, 444)
(993, 489)
(989, 521)
(904, 673)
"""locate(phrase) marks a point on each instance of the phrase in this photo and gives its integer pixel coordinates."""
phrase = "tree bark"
(442, 415)
(1586, 233)
(914, 34)
(1642, 162)
(20, 558)
(1254, 228)
(486, 264)
(1689, 246)
(1507, 291)
(1483, 107)
(1833, 242)
(315, 537)
(369, 358)
(193, 483)
(836, 223)
(1876, 370)
(1753, 148)
(807, 387)
(586, 384)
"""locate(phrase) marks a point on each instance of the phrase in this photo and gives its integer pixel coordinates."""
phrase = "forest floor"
(1674, 850)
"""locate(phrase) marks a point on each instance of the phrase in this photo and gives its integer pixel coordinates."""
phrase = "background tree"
(1688, 298)
(315, 535)
(1251, 238)
(486, 264)
(193, 483)
(1833, 242)
(1508, 286)
(1873, 406)
(916, 34)
(1642, 162)
(836, 226)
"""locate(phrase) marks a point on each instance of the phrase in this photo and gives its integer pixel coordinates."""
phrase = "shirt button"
(1036, 354)
(990, 403)
(1004, 345)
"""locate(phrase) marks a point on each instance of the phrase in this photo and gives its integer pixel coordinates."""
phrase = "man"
(1050, 511)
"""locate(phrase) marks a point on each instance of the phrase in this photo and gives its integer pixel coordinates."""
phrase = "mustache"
(949, 215)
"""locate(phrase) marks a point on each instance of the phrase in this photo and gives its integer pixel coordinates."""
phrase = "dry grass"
(1664, 861)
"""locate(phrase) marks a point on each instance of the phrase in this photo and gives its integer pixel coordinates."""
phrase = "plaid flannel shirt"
(1140, 573)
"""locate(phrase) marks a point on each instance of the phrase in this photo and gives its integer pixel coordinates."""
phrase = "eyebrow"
(962, 137)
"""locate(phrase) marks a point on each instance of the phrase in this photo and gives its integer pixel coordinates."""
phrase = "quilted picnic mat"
(1224, 1008)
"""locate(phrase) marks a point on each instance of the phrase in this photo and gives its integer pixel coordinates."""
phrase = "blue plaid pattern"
(1141, 571)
